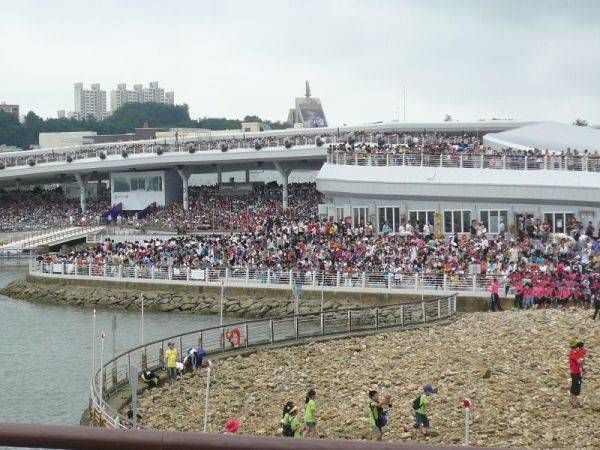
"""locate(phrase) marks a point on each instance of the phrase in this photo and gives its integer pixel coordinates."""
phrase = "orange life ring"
(234, 337)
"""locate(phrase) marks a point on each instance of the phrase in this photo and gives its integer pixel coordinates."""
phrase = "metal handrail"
(150, 148)
(577, 163)
(61, 436)
(384, 282)
(274, 330)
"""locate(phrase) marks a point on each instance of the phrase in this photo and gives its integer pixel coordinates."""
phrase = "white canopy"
(546, 136)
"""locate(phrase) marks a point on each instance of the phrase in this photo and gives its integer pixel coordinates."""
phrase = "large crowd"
(538, 265)
(30, 210)
(213, 209)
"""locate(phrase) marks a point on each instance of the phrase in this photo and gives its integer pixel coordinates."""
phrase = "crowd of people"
(30, 210)
(213, 209)
(209, 209)
(362, 142)
(536, 265)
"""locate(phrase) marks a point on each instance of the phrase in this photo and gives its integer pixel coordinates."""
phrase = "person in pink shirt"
(495, 298)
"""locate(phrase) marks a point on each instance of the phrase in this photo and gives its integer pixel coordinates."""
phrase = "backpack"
(416, 403)
(287, 426)
(381, 418)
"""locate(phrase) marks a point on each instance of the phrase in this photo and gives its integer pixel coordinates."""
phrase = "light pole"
(142, 320)
(102, 336)
(206, 396)
(94, 343)
(221, 308)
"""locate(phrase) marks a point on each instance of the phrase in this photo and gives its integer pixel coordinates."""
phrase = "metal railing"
(14, 257)
(189, 146)
(113, 376)
(60, 437)
(374, 282)
(585, 163)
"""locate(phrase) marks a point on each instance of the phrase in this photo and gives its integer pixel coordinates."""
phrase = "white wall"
(67, 139)
(138, 200)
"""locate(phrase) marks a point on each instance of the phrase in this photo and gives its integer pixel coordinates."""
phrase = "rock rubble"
(513, 365)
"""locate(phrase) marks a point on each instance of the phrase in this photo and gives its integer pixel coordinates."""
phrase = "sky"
(525, 60)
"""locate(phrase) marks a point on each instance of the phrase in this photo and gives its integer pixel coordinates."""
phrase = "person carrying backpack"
(377, 415)
(419, 407)
(289, 423)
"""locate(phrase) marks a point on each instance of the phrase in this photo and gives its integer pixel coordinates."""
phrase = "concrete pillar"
(285, 174)
(82, 182)
(247, 175)
(185, 177)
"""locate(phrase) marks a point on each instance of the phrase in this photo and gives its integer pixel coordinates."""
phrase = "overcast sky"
(531, 60)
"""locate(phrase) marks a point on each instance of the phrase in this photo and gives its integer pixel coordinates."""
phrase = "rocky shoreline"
(513, 365)
(238, 302)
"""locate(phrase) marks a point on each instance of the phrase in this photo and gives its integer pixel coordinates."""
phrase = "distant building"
(141, 134)
(10, 109)
(308, 112)
(140, 94)
(90, 102)
(60, 114)
(251, 127)
(64, 139)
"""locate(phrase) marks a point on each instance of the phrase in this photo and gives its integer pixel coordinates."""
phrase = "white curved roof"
(455, 184)
(546, 136)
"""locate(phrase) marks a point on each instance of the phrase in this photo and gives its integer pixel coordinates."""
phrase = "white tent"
(546, 136)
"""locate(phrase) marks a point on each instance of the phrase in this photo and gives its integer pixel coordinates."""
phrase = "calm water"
(45, 353)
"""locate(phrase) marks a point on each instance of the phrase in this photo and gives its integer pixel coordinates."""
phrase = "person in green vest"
(309, 415)
(377, 415)
(290, 423)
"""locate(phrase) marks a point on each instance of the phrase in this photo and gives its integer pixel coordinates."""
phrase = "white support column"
(185, 177)
(82, 182)
(285, 174)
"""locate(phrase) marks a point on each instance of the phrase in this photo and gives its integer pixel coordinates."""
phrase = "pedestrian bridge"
(50, 238)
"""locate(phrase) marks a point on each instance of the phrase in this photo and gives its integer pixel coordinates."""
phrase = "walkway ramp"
(52, 237)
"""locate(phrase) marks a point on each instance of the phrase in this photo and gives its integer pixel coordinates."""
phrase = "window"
(154, 184)
(559, 222)
(138, 184)
(491, 219)
(121, 184)
(339, 213)
(423, 217)
(360, 216)
(457, 221)
(391, 216)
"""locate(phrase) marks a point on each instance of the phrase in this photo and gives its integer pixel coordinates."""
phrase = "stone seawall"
(239, 302)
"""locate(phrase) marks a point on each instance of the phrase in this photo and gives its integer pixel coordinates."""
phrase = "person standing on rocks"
(576, 355)
(171, 357)
(420, 410)
(309, 415)
(290, 422)
(377, 415)
(495, 300)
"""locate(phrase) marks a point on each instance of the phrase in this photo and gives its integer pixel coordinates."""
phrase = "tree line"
(125, 120)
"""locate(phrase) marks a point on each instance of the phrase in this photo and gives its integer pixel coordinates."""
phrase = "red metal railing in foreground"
(68, 437)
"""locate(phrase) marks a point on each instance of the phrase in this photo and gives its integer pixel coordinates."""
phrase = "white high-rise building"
(139, 94)
(90, 102)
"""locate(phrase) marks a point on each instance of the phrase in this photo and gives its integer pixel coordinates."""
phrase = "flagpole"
(142, 323)
(102, 336)
(94, 343)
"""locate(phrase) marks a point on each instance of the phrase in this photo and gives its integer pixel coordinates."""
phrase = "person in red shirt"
(576, 355)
